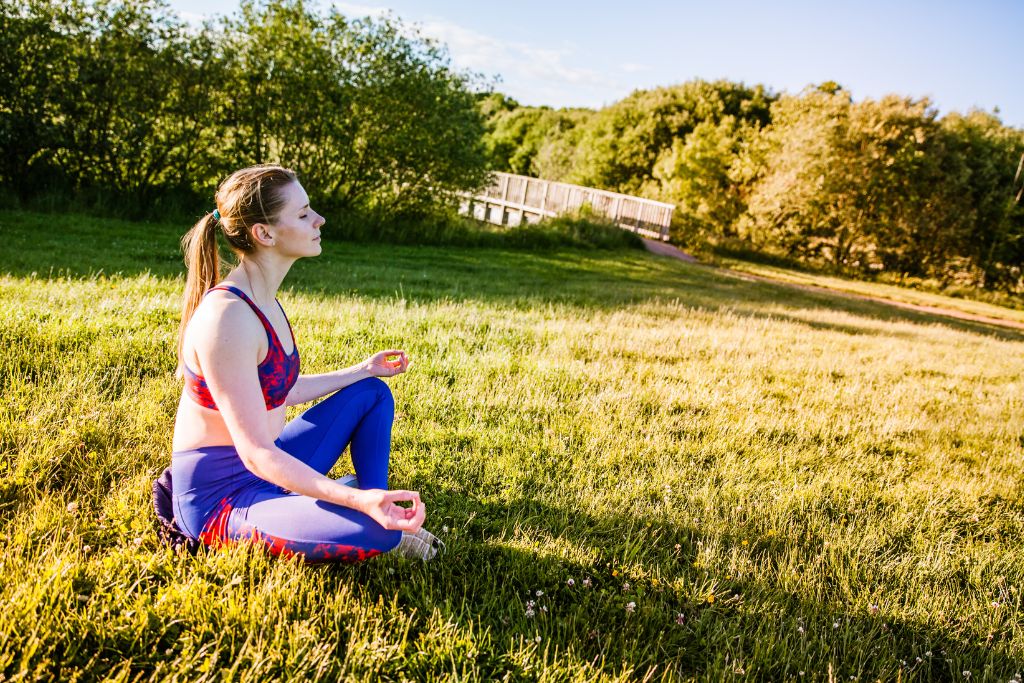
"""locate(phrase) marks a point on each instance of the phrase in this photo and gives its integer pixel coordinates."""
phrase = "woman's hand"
(387, 363)
(383, 506)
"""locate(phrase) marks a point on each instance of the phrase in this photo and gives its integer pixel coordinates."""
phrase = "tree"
(622, 143)
(369, 113)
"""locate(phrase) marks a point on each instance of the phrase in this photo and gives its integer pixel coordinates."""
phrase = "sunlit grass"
(786, 482)
(883, 290)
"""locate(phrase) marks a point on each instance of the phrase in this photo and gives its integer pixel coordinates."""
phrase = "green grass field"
(642, 470)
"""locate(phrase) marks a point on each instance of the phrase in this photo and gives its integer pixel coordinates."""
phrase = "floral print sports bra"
(278, 371)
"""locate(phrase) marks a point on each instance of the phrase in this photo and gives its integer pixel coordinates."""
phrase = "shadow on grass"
(761, 626)
(45, 245)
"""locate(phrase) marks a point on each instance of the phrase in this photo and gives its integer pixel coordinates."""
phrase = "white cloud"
(529, 73)
(355, 9)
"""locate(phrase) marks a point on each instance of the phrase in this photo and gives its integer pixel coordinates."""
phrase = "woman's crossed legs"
(358, 416)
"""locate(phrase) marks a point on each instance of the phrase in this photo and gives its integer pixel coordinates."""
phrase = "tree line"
(876, 186)
(127, 103)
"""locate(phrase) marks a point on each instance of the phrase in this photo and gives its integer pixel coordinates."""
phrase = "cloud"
(355, 9)
(530, 73)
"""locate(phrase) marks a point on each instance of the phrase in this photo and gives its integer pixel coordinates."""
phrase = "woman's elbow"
(255, 458)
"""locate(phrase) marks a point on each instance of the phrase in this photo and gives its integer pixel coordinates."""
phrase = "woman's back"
(198, 423)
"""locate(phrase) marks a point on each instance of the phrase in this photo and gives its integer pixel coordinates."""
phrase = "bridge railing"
(512, 199)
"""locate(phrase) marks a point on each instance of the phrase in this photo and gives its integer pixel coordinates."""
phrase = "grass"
(793, 486)
(1014, 310)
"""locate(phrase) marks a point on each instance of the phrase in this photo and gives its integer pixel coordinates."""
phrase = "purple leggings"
(217, 500)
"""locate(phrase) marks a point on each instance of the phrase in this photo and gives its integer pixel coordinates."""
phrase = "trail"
(664, 249)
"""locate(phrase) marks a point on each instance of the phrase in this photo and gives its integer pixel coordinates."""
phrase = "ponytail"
(246, 197)
(203, 264)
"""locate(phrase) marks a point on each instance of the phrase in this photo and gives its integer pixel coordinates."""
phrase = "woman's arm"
(312, 387)
(227, 350)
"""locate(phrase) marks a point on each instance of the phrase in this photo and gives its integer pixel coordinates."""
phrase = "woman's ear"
(262, 234)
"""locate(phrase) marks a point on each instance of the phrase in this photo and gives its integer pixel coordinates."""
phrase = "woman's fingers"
(400, 362)
(399, 496)
(411, 521)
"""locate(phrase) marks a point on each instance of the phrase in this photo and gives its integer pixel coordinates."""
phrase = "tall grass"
(641, 469)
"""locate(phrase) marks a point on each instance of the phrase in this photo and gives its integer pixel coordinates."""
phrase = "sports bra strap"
(271, 333)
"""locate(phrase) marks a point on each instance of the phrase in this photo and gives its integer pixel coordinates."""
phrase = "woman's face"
(296, 231)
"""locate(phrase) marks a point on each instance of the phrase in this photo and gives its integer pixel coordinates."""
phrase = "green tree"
(139, 105)
(703, 176)
(368, 112)
(985, 154)
(622, 143)
(37, 63)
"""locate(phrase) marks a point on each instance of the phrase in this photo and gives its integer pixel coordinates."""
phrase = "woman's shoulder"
(223, 314)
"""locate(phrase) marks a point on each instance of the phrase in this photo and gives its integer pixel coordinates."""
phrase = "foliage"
(537, 141)
(623, 142)
(369, 112)
(584, 230)
(880, 188)
(751, 466)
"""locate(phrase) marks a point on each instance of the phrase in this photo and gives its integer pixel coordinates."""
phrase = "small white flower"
(529, 613)
(586, 582)
(630, 606)
(540, 593)
(544, 609)
(835, 624)
(873, 608)
(928, 654)
(138, 540)
(530, 604)
(799, 629)
(73, 506)
(570, 583)
(967, 674)
(87, 549)
(537, 639)
(444, 529)
(625, 586)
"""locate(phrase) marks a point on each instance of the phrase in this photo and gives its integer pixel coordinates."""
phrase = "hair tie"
(216, 214)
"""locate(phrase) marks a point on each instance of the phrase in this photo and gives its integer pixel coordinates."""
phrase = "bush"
(583, 231)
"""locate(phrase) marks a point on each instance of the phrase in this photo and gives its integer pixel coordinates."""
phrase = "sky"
(961, 55)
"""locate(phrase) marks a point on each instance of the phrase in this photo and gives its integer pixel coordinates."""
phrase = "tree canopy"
(126, 99)
(880, 185)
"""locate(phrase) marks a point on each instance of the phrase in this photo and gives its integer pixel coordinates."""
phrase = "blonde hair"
(246, 197)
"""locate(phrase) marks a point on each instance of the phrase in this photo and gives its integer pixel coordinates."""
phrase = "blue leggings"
(217, 500)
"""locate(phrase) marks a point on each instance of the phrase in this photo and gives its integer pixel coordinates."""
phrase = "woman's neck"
(264, 277)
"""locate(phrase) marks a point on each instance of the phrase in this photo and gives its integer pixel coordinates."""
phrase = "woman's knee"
(379, 387)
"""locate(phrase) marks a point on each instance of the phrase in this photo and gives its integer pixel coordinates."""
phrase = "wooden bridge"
(512, 199)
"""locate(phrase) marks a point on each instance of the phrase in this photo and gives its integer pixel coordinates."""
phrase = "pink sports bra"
(278, 371)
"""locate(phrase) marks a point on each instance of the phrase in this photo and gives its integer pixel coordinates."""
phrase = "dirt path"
(665, 249)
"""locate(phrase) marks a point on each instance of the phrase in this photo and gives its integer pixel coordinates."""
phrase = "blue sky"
(959, 54)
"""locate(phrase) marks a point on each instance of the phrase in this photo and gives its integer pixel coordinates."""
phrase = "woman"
(239, 472)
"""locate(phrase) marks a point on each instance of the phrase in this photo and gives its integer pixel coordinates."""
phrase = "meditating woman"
(239, 471)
